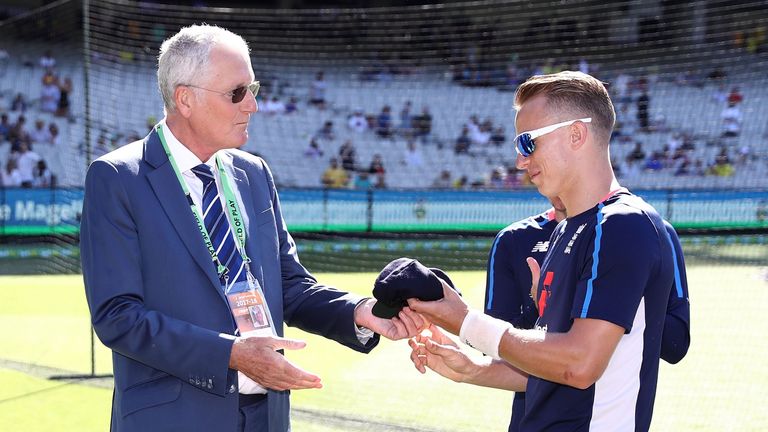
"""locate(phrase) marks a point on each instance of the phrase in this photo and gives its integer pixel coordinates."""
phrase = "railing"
(57, 210)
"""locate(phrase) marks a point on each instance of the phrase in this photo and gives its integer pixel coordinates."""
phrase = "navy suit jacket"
(156, 301)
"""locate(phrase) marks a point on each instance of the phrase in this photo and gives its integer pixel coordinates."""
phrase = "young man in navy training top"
(508, 282)
(592, 361)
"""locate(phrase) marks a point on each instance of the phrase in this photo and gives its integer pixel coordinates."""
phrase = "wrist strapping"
(483, 332)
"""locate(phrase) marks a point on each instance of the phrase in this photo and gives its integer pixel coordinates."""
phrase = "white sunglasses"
(525, 144)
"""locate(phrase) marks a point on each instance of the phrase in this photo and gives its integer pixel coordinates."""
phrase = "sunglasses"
(525, 144)
(237, 94)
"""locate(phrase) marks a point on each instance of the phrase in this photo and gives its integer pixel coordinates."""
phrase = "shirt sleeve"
(507, 291)
(677, 326)
(620, 259)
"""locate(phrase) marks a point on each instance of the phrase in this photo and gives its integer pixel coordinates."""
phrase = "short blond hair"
(574, 93)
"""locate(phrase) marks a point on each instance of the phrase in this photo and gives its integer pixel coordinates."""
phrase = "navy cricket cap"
(405, 278)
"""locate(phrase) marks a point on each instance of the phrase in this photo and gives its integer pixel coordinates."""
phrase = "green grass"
(719, 386)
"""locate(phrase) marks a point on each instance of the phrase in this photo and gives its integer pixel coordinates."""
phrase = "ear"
(185, 100)
(579, 133)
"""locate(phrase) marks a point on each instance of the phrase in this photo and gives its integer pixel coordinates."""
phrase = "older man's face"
(218, 121)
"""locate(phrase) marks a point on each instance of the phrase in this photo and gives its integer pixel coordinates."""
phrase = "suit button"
(232, 388)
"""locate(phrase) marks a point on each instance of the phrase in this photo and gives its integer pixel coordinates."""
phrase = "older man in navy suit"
(182, 233)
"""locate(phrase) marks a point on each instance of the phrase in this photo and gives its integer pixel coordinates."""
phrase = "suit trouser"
(254, 416)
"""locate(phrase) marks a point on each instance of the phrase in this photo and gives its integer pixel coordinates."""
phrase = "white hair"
(185, 57)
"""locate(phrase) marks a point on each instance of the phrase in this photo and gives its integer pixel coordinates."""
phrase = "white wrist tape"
(483, 332)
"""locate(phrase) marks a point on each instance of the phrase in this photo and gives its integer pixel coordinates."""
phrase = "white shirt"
(731, 119)
(11, 180)
(27, 162)
(357, 123)
(185, 161)
(41, 136)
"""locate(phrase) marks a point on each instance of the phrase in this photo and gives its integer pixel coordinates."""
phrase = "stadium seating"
(127, 90)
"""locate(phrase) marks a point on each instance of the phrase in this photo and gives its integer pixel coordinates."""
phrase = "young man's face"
(547, 166)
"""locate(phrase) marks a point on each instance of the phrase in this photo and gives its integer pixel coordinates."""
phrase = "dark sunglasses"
(237, 94)
(525, 144)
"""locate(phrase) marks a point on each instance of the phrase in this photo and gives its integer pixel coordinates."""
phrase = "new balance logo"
(541, 246)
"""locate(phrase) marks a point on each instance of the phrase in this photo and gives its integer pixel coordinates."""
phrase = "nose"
(521, 162)
(249, 104)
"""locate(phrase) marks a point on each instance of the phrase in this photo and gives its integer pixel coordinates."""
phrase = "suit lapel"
(166, 186)
(243, 188)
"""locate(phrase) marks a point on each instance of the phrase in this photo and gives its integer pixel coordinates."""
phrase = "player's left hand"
(448, 312)
(406, 324)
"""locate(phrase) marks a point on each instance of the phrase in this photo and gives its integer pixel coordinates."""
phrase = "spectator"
(406, 121)
(101, 147)
(313, 151)
(643, 107)
(292, 105)
(47, 61)
(745, 154)
(348, 156)
(474, 126)
(731, 118)
(11, 175)
(381, 182)
(362, 181)
(317, 91)
(481, 135)
(274, 106)
(722, 166)
(326, 132)
(675, 142)
(717, 74)
(384, 123)
(19, 103)
(735, 97)
(443, 181)
(720, 96)
(655, 162)
(496, 181)
(19, 133)
(413, 156)
(65, 88)
(637, 154)
(461, 182)
(334, 176)
(683, 169)
(27, 161)
(625, 126)
(5, 127)
(377, 165)
(498, 137)
(357, 121)
(621, 88)
(41, 176)
(422, 125)
(462, 142)
(41, 134)
(512, 179)
(55, 138)
(49, 95)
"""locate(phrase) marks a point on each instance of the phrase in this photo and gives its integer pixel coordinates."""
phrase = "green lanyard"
(233, 210)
